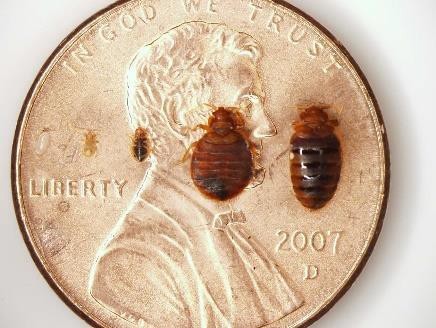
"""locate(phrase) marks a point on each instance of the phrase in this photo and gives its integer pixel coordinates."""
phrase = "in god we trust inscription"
(135, 244)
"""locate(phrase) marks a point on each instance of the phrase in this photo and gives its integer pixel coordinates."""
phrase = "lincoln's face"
(238, 82)
(169, 84)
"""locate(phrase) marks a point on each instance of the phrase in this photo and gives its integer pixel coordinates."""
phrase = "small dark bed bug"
(222, 160)
(316, 165)
(140, 145)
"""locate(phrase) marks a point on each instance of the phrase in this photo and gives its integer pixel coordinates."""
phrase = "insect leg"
(201, 126)
(188, 152)
(333, 122)
(209, 105)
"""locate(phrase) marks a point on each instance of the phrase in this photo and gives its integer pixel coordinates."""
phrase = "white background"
(393, 41)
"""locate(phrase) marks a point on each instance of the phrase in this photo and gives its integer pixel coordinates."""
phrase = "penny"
(135, 243)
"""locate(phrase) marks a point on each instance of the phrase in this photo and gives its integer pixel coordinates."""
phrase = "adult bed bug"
(316, 165)
(140, 145)
(222, 160)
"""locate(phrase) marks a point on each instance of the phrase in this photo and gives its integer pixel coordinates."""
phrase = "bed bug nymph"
(141, 145)
(222, 160)
(90, 144)
(316, 165)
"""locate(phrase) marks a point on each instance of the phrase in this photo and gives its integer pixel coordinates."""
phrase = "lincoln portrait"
(177, 258)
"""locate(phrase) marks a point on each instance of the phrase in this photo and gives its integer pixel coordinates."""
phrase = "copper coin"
(127, 243)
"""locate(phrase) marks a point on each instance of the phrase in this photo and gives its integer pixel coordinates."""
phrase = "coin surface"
(127, 243)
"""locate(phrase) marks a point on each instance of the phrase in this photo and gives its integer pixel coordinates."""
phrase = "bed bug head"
(223, 121)
(90, 135)
(140, 133)
(314, 121)
(314, 115)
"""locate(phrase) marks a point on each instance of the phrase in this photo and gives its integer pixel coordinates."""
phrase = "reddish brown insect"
(316, 165)
(222, 161)
(140, 145)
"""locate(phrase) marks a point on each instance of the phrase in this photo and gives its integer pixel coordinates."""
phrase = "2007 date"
(317, 241)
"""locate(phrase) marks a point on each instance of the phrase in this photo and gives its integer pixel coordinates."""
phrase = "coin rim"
(15, 167)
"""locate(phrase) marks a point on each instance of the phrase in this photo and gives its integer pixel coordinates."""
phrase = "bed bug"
(316, 163)
(140, 145)
(222, 160)
(90, 144)
(43, 142)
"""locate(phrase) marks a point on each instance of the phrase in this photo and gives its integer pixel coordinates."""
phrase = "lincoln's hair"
(169, 79)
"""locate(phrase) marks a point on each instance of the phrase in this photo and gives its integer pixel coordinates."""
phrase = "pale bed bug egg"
(42, 142)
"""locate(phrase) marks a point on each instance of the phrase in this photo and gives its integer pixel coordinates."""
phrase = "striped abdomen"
(140, 150)
(221, 167)
(315, 169)
(140, 144)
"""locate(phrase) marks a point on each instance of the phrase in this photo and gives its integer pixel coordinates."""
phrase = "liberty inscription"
(77, 188)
